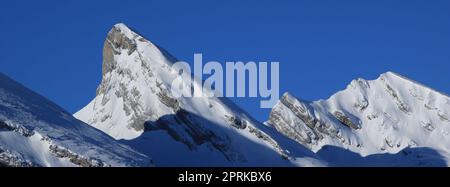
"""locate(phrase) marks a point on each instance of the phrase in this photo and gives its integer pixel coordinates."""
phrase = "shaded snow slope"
(36, 132)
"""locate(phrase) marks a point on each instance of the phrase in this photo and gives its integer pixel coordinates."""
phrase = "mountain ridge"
(389, 121)
(134, 101)
(339, 121)
(36, 132)
(385, 115)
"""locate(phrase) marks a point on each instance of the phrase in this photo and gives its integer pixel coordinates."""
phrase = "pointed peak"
(289, 96)
(121, 28)
(395, 77)
(389, 77)
(359, 82)
(391, 74)
(121, 25)
(120, 40)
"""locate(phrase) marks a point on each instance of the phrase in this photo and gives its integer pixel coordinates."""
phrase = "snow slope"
(36, 132)
(391, 115)
(134, 104)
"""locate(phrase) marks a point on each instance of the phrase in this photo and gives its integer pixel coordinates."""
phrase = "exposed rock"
(74, 158)
(427, 125)
(187, 129)
(8, 159)
(346, 120)
(362, 105)
(401, 105)
(268, 139)
(301, 110)
(372, 116)
(116, 41)
(236, 122)
(16, 128)
(167, 100)
(443, 117)
(3, 125)
(305, 128)
(277, 121)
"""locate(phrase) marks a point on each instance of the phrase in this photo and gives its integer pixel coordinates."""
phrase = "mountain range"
(134, 120)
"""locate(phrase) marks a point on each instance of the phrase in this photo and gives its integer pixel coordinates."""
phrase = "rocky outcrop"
(302, 126)
(8, 159)
(346, 120)
(402, 106)
(75, 158)
(116, 41)
(16, 128)
(168, 100)
(236, 122)
(192, 131)
(300, 109)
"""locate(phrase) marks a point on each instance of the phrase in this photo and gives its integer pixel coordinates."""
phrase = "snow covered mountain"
(389, 116)
(390, 121)
(134, 104)
(36, 132)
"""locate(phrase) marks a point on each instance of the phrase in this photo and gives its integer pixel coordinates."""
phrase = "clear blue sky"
(55, 47)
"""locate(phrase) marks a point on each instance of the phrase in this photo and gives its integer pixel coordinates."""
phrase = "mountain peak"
(120, 39)
(397, 79)
(370, 117)
(394, 76)
(287, 94)
(121, 25)
(124, 29)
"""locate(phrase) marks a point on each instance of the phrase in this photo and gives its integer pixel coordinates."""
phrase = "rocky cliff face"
(386, 115)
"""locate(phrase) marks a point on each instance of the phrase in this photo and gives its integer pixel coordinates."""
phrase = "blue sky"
(55, 47)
